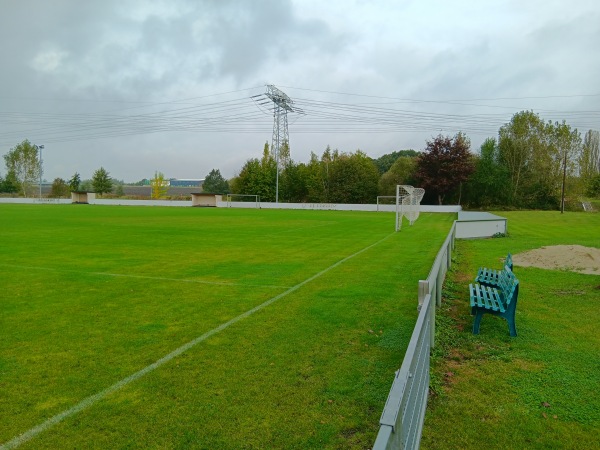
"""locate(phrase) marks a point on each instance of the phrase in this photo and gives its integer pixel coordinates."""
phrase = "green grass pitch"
(91, 295)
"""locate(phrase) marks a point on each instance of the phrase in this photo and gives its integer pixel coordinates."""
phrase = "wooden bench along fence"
(498, 301)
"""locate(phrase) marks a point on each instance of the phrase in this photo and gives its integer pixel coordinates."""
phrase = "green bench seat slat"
(486, 297)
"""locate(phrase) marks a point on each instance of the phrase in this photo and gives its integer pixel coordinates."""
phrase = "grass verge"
(538, 390)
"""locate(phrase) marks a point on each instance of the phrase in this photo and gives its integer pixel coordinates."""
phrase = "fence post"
(438, 284)
(424, 290)
(432, 321)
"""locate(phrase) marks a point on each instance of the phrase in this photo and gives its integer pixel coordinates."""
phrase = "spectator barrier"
(401, 422)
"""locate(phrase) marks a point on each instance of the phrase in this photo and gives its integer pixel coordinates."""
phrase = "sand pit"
(576, 258)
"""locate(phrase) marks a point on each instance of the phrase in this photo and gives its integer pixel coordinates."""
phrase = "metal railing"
(401, 422)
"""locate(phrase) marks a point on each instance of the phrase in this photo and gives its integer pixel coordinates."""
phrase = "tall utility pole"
(564, 182)
(281, 105)
(40, 148)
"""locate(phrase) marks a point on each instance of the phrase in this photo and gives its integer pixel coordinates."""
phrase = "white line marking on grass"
(291, 230)
(147, 277)
(89, 401)
(183, 280)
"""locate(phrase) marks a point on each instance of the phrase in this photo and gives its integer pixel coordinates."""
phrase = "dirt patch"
(576, 258)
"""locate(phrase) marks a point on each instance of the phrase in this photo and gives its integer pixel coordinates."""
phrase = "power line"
(444, 101)
(243, 114)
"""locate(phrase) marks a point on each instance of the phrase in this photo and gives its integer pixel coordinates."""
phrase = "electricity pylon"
(282, 104)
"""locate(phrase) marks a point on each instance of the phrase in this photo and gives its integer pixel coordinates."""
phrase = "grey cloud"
(103, 49)
(84, 53)
(249, 36)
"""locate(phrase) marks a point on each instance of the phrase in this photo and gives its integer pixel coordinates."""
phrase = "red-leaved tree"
(444, 165)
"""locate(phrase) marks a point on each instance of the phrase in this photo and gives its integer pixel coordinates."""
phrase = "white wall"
(480, 229)
(264, 205)
(62, 201)
(124, 202)
(337, 206)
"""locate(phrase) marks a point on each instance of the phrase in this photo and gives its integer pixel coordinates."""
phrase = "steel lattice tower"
(281, 105)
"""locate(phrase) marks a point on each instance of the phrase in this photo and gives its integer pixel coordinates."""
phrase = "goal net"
(408, 204)
(248, 200)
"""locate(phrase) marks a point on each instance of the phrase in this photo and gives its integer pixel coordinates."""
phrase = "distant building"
(185, 182)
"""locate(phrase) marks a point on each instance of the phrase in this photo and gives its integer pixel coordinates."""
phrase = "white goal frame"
(408, 204)
(385, 196)
(256, 199)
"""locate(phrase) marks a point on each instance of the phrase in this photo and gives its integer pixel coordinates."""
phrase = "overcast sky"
(139, 86)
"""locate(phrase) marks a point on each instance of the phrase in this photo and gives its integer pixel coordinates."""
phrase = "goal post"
(385, 200)
(400, 193)
(408, 204)
(246, 198)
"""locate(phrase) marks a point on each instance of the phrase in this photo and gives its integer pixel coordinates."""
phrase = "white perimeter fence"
(232, 204)
(339, 206)
(401, 422)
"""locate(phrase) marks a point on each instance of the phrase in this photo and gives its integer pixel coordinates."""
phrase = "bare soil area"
(576, 258)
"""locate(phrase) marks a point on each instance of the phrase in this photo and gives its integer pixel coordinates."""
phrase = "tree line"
(534, 164)
(335, 177)
(24, 171)
(531, 164)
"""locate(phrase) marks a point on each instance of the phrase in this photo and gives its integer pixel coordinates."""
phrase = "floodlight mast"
(281, 105)
(40, 147)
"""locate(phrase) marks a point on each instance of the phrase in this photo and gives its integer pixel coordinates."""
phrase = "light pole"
(562, 195)
(40, 147)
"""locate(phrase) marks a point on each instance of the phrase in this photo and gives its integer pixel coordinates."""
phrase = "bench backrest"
(508, 261)
(507, 284)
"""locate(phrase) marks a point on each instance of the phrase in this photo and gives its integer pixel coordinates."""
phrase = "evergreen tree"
(101, 181)
(75, 182)
(215, 183)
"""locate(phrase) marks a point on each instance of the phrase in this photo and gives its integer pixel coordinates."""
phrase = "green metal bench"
(498, 301)
(491, 277)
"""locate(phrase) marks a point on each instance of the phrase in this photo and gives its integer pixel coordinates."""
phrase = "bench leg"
(512, 328)
(477, 321)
